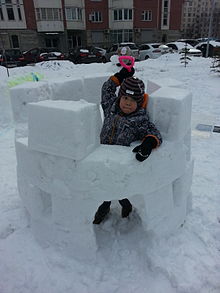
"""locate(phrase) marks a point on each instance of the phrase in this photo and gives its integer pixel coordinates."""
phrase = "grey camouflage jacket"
(119, 128)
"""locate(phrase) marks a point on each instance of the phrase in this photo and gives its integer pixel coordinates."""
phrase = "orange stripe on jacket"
(145, 101)
(115, 80)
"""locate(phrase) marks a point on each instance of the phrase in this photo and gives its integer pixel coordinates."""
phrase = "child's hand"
(144, 150)
(124, 73)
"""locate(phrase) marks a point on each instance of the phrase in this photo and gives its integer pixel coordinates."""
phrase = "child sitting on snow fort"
(125, 121)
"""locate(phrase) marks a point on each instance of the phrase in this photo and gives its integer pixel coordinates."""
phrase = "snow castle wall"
(64, 173)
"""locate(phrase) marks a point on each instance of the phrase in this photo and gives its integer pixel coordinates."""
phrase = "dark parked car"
(192, 42)
(214, 48)
(55, 55)
(10, 57)
(85, 55)
(41, 54)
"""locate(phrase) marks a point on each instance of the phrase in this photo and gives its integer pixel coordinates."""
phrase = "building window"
(165, 12)
(95, 16)
(19, 13)
(122, 14)
(48, 14)
(9, 10)
(14, 41)
(51, 43)
(119, 36)
(73, 13)
(10, 13)
(146, 15)
(1, 14)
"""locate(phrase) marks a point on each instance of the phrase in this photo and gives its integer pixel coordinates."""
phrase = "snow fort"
(64, 174)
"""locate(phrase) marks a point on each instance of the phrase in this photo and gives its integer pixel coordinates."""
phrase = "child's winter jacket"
(122, 129)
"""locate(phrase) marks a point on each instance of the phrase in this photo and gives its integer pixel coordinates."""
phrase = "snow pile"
(55, 65)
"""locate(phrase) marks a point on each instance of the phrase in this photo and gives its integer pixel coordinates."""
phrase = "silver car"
(152, 51)
(116, 48)
(180, 47)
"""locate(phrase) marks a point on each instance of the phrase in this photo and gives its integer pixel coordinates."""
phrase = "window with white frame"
(48, 14)
(165, 12)
(146, 15)
(73, 13)
(95, 16)
(122, 14)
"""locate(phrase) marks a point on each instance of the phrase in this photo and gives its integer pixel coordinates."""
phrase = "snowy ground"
(127, 260)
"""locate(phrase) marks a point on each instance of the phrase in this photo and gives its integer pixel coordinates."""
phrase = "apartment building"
(196, 15)
(63, 24)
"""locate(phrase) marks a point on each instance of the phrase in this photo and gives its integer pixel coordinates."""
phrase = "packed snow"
(128, 259)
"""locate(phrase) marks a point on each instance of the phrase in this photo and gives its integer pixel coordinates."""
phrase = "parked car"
(116, 48)
(180, 48)
(10, 57)
(86, 55)
(164, 48)
(40, 54)
(192, 42)
(101, 50)
(52, 56)
(214, 48)
(149, 51)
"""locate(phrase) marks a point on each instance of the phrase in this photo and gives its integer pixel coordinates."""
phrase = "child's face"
(127, 104)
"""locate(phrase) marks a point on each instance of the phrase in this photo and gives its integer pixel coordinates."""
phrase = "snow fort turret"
(64, 173)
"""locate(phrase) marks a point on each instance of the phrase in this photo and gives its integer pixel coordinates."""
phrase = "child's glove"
(124, 73)
(144, 150)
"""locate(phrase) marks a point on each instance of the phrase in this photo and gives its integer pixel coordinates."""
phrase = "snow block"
(187, 143)
(37, 202)
(88, 88)
(155, 84)
(181, 186)
(64, 128)
(158, 206)
(170, 110)
(26, 93)
(94, 175)
(93, 86)
(72, 89)
(130, 177)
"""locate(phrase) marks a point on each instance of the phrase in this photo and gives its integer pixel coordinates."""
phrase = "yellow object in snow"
(33, 76)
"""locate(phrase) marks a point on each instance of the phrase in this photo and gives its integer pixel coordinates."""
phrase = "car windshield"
(155, 46)
(131, 46)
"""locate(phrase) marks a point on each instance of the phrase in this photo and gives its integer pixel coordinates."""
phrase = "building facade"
(64, 24)
(196, 16)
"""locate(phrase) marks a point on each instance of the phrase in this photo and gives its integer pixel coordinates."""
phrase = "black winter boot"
(101, 213)
(126, 207)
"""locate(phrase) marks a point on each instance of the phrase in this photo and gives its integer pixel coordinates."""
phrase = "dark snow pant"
(106, 204)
